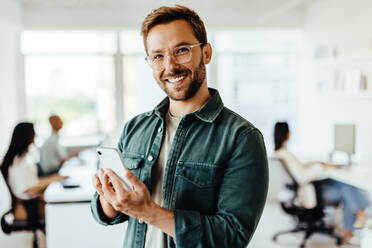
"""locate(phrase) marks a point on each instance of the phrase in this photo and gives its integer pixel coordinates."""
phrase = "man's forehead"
(170, 35)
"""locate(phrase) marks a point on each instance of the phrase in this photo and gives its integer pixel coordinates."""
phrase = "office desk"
(69, 222)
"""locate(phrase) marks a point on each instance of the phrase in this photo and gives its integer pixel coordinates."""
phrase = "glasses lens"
(153, 63)
(182, 54)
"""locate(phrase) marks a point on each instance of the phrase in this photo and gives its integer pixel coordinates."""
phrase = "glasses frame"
(149, 62)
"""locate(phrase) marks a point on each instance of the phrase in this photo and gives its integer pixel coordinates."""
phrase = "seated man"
(52, 154)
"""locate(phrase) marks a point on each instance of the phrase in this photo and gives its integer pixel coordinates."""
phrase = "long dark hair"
(281, 131)
(23, 136)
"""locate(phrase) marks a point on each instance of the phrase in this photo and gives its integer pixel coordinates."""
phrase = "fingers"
(137, 184)
(103, 178)
(116, 182)
(97, 184)
(105, 186)
(117, 195)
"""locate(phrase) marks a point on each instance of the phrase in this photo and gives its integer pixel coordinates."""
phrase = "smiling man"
(199, 171)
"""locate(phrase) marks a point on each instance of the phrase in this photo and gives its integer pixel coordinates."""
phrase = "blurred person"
(199, 171)
(52, 154)
(353, 199)
(17, 169)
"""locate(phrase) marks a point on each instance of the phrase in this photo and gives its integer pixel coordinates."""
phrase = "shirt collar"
(208, 112)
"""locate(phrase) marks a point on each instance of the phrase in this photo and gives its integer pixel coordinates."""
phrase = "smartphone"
(110, 157)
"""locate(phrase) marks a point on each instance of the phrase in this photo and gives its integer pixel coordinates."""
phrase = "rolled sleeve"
(100, 217)
(241, 200)
(189, 229)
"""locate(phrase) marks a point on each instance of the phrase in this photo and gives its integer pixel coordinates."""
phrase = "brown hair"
(168, 14)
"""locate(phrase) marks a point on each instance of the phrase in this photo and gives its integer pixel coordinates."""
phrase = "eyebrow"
(179, 44)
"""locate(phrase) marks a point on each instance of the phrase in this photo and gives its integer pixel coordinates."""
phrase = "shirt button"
(150, 158)
(160, 129)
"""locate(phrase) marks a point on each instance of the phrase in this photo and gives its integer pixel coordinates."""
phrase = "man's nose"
(169, 63)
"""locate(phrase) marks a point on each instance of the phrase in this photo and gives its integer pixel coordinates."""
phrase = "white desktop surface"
(83, 175)
(69, 221)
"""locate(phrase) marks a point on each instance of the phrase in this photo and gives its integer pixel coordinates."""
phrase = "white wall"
(345, 26)
(10, 23)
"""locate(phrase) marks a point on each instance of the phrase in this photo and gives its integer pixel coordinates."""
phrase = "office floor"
(272, 221)
(20, 240)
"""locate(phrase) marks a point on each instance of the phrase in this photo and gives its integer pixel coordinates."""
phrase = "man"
(199, 171)
(52, 154)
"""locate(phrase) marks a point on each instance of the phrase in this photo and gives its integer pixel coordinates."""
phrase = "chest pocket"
(201, 175)
(133, 161)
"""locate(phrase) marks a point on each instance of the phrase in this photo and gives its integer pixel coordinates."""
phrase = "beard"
(184, 92)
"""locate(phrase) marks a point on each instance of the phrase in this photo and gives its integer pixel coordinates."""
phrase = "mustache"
(176, 72)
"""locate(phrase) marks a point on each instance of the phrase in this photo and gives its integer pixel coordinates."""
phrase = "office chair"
(32, 223)
(309, 221)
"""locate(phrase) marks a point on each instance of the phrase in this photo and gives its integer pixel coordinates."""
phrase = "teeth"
(173, 80)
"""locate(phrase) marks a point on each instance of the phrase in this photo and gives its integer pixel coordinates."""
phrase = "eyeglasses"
(180, 55)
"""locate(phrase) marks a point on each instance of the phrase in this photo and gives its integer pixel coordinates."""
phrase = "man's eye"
(182, 50)
(157, 57)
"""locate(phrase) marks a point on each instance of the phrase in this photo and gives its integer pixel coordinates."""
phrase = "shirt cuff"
(188, 228)
(100, 217)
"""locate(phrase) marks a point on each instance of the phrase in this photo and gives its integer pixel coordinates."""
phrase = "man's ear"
(207, 53)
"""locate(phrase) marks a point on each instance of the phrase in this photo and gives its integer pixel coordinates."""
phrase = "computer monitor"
(344, 139)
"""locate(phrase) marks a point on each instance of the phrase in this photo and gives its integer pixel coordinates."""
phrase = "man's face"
(178, 81)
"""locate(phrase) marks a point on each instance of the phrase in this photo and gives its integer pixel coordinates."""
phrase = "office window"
(99, 80)
(257, 75)
(71, 74)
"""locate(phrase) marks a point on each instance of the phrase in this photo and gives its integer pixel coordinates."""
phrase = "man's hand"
(108, 210)
(329, 165)
(136, 203)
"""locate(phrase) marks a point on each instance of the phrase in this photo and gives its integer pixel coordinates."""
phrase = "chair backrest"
(293, 185)
(5, 196)
(31, 222)
(279, 179)
(289, 194)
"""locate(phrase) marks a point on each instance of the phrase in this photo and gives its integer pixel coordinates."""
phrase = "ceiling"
(257, 12)
(249, 5)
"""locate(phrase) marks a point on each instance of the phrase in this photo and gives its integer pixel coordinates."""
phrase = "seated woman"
(354, 201)
(19, 173)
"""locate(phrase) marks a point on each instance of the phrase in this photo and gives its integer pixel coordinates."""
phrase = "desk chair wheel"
(339, 241)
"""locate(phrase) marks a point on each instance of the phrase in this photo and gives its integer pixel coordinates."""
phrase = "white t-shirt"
(51, 154)
(155, 238)
(21, 176)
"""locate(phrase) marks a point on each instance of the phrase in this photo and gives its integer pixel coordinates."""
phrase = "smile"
(176, 79)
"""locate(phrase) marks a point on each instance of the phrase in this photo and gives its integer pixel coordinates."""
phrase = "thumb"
(136, 183)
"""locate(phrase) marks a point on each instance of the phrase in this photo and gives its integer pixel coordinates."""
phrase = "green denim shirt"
(216, 176)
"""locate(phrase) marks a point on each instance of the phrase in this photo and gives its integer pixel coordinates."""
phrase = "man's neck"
(181, 108)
